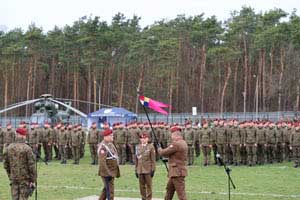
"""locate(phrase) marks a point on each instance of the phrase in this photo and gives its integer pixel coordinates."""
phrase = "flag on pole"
(154, 105)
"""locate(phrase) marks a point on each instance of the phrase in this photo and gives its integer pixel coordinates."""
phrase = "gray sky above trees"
(48, 13)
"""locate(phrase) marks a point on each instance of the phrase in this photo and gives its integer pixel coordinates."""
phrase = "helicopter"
(47, 109)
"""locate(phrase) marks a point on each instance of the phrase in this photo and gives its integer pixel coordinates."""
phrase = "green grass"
(69, 181)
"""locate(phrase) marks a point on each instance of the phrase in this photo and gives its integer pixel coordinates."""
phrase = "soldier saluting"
(20, 166)
(177, 154)
(145, 166)
(108, 164)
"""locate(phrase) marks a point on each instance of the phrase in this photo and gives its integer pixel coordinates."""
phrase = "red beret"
(144, 135)
(175, 128)
(107, 132)
(21, 131)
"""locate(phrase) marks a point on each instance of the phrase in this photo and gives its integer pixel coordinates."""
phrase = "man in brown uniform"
(177, 154)
(108, 164)
(20, 166)
(145, 166)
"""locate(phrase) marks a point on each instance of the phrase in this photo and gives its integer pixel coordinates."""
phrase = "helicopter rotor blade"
(87, 102)
(17, 105)
(70, 107)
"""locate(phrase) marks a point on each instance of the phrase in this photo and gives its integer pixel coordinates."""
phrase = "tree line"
(249, 62)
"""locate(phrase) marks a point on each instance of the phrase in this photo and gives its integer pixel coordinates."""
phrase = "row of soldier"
(247, 143)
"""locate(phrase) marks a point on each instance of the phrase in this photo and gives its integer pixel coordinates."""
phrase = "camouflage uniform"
(261, 145)
(55, 133)
(295, 145)
(47, 143)
(279, 144)
(286, 135)
(205, 139)
(82, 145)
(33, 140)
(93, 139)
(270, 147)
(121, 141)
(63, 140)
(8, 137)
(197, 131)
(250, 139)
(235, 140)
(221, 142)
(76, 140)
(1, 143)
(20, 167)
(189, 137)
(133, 136)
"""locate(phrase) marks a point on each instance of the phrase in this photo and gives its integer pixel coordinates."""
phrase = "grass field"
(62, 182)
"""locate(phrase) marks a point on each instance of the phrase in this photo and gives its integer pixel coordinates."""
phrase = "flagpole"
(155, 138)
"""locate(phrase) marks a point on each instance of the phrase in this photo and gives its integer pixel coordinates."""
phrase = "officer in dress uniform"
(145, 166)
(108, 164)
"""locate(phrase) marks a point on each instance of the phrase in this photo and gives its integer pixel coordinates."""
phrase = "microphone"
(219, 159)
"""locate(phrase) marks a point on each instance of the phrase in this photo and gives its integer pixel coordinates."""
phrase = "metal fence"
(240, 116)
(179, 117)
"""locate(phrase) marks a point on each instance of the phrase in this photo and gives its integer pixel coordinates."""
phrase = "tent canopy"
(111, 115)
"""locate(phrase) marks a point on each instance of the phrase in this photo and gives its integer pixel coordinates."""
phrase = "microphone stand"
(227, 170)
(37, 156)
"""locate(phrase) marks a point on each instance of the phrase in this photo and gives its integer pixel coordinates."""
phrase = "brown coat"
(177, 154)
(145, 159)
(108, 160)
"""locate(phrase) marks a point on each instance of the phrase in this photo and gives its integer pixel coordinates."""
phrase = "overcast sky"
(48, 13)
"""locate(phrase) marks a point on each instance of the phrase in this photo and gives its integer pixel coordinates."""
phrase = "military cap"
(175, 128)
(21, 131)
(107, 132)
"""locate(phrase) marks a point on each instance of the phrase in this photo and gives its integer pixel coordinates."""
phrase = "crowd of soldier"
(238, 143)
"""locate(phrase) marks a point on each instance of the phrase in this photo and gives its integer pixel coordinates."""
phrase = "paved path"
(116, 198)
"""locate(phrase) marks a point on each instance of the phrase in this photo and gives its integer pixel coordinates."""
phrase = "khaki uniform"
(177, 154)
(20, 167)
(93, 139)
(145, 167)
(108, 168)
